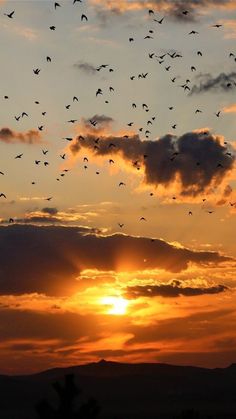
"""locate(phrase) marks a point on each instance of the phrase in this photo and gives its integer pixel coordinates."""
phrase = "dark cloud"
(50, 210)
(48, 259)
(33, 325)
(28, 137)
(175, 289)
(38, 219)
(194, 173)
(86, 68)
(208, 83)
(176, 7)
(101, 122)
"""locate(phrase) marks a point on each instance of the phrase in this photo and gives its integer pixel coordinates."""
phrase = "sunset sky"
(117, 171)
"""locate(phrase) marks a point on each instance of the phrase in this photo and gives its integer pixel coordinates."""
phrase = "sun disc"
(115, 305)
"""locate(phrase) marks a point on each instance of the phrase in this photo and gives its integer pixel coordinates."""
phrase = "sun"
(115, 305)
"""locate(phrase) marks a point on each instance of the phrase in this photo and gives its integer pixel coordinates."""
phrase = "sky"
(117, 171)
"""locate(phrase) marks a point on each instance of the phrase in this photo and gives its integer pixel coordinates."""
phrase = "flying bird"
(10, 15)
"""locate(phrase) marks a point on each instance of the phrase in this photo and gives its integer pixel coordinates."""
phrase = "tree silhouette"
(189, 414)
(67, 395)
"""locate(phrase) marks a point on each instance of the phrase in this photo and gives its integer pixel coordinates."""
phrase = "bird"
(159, 21)
(19, 156)
(120, 225)
(44, 152)
(193, 33)
(142, 219)
(218, 114)
(217, 25)
(36, 71)
(48, 59)
(2, 195)
(190, 213)
(48, 199)
(52, 28)
(10, 15)
(121, 184)
(83, 17)
(99, 92)
(63, 156)
(56, 5)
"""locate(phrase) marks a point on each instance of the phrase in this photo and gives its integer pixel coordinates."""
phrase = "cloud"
(191, 328)
(174, 289)
(86, 67)
(171, 7)
(101, 123)
(28, 137)
(49, 259)
(207, 83)
(50, 210)
(193, 173)
(230, 108)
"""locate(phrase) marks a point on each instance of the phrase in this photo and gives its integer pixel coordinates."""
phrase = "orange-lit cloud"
(64, 252)
(172, 7)
(230, 108)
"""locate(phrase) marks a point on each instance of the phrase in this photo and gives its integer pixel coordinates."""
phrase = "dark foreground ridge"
(124, 391)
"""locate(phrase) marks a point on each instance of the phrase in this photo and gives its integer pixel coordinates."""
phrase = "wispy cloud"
(7, 135)
(230, 108)
(208, 83)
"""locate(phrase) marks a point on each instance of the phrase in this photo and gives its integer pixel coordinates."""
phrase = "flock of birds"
(162, 59)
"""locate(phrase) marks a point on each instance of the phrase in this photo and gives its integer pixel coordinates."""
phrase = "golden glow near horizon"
(115, 305)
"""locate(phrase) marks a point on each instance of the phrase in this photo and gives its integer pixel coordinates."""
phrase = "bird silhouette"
(10, 15)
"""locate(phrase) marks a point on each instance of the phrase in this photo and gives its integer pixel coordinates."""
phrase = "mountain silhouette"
(126, 391)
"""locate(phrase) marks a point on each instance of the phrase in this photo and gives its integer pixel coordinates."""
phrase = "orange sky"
(117, 171)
